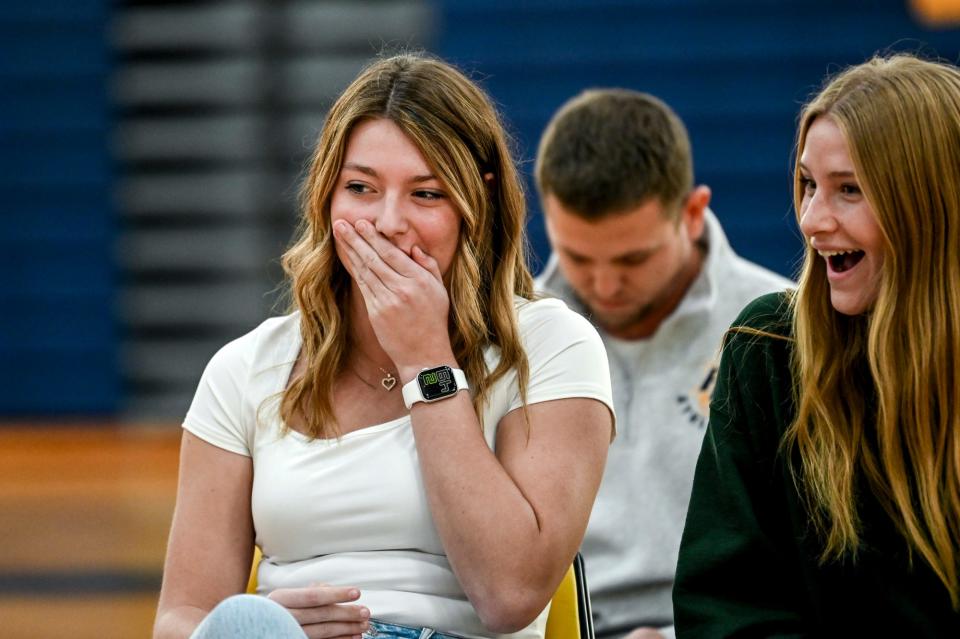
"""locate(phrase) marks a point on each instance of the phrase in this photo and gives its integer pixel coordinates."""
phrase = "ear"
(694, 211)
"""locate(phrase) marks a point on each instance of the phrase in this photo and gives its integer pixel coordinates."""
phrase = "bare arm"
(211, 539)
(511, 523)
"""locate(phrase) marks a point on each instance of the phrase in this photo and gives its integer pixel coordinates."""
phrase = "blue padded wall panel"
(58, 335)
(48, 382)
(736, 71)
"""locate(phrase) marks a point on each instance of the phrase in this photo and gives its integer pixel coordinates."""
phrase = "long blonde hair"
(877, 394)
(458, 131)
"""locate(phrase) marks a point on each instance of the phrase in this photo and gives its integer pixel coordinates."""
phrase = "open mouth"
(842, 261)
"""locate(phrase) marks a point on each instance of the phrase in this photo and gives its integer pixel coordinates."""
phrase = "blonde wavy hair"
(877, 394)
(457, 129)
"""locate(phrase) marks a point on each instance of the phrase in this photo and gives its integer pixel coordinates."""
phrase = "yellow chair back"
(252, 579)
(563, 622)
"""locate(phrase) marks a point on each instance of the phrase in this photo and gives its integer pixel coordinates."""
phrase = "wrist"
(408, 372)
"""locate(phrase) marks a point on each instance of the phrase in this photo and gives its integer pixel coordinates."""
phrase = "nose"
(392, 218)
(817, 216)
(606, 282)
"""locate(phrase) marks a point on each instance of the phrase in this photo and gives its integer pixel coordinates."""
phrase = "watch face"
(437, 383)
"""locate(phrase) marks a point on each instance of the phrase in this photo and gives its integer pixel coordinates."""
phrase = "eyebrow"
(632, 255)
(832, 174)
(366, 170)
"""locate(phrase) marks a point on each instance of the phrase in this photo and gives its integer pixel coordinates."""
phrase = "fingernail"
(354, 593)
(364, 612)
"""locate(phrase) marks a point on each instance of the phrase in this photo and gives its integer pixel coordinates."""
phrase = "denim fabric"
(384, 630)
(248, 617)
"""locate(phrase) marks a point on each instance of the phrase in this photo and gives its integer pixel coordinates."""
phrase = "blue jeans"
(256, 617)
(248, 617)
(384, 630)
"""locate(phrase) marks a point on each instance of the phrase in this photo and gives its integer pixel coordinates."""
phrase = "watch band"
(433, 385)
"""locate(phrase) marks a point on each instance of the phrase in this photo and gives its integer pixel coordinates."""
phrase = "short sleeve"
(566, 356)
(217, 414)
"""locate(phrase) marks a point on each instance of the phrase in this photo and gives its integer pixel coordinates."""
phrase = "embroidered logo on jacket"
(695, 405)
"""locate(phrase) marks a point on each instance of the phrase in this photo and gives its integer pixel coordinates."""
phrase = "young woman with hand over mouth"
(417, 446)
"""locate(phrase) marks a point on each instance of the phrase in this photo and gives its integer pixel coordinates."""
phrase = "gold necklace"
(360, 377)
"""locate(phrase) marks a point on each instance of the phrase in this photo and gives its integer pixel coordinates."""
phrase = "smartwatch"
(434, 384)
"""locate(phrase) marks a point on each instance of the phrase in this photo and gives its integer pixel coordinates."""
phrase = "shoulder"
(551, 283)
(752, 276)
(549, 279)
(738, 279)
(763, 328)
(756, 356)
(557, 339)
(263, 347)
(238, 378)
(769, 313)
(549, 317)
(565, 354)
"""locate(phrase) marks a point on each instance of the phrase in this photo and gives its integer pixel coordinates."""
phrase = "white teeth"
(840, 252)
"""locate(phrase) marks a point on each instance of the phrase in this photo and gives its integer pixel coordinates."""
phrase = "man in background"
(637, 250)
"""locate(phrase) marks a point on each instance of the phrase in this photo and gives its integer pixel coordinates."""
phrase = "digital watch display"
(434, 384)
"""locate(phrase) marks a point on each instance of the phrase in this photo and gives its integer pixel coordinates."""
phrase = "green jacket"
(748, 562)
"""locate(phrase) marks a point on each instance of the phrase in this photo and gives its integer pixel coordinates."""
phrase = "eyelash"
(430, 195)
(847, 188)
(850, 189)
(359, 188)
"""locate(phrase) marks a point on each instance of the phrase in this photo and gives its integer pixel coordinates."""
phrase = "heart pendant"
(388, 382)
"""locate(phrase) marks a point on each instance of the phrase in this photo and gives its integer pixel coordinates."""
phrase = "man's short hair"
(607, 151)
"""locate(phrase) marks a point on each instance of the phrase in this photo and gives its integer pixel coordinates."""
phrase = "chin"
(609, 320)
(847, 306)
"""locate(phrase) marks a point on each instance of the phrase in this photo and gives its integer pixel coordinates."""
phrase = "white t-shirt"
(353, 511)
